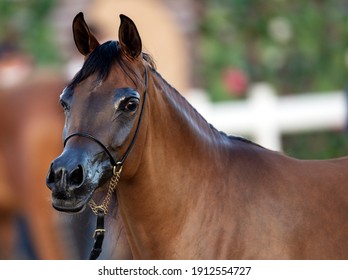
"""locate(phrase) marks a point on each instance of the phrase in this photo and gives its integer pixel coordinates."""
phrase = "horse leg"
(7, 236)
(7, 216)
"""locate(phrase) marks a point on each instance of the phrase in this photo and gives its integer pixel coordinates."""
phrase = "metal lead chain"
(101, 210)
(117, 169)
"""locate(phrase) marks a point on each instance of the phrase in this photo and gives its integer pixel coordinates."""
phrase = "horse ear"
(84, 39)
(129, 38)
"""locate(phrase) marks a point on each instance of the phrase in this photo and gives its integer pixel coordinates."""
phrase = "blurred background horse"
(30, 123)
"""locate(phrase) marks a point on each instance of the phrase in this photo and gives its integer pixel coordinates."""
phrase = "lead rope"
(101, 210)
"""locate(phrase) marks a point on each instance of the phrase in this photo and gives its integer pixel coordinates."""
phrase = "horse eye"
(132, 105)
(64, 105)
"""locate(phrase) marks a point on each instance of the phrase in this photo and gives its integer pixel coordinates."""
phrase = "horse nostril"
(76, 177)
(51, 176)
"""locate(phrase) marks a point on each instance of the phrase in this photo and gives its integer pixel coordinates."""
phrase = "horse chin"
(70, 210)
(73, 206)
(69, 206)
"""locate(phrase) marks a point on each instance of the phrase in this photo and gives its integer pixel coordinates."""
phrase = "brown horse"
(186, 191)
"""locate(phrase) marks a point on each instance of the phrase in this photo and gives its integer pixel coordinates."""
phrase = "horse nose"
(65, 177)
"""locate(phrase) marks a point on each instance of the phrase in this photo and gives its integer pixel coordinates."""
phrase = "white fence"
(264, 116)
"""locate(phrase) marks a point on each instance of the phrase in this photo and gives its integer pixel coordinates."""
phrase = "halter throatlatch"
(101, 210)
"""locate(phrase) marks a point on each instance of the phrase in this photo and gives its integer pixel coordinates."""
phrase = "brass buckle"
(98, 231)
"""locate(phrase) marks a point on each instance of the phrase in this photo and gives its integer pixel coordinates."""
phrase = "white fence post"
(263, 106)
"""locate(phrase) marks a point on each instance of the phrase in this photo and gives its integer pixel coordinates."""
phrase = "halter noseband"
(101, 210)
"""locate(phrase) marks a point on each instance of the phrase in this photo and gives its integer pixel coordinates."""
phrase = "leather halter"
(114, 163)
(117, 168)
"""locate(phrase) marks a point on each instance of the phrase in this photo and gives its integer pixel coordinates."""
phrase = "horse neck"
(178, 151)
(182, 137)
(175, 116)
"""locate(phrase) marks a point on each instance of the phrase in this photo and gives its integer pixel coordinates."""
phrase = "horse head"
(106, 96)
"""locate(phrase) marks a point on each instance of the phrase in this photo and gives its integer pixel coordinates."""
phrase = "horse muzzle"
(72, 178)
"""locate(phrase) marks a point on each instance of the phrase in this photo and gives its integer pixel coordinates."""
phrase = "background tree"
(25, 25)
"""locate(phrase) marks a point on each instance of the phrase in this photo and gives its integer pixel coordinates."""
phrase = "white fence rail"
(265, 117)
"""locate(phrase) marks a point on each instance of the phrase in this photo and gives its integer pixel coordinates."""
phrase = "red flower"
(235, 81)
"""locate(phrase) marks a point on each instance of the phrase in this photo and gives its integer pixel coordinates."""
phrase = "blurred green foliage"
(297, 46)
(25, 24)
(316, 145)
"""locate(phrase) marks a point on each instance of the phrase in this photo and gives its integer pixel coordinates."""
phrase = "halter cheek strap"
(101, 210)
